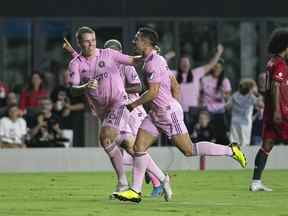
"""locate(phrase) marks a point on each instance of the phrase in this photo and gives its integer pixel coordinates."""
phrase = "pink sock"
(154, 180)
(117, 162)
(155, 170)
(140, 164)
(127, 159)
(211, 149)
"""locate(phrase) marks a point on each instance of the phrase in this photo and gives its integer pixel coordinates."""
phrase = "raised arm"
(215, 59)
(68, 48)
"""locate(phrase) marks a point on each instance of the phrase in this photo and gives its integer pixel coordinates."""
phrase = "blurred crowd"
(44, 114)
(41, 116)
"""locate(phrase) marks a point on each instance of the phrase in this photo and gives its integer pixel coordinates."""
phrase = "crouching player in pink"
(166, 116)
(95, 73)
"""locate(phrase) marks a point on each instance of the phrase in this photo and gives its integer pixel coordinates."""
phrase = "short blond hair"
(83, 30)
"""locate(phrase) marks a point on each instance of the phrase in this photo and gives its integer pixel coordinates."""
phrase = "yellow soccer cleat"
(129, 195)
(238, 155)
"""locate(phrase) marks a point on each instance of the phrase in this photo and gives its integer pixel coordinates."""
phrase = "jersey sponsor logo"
(102, 76)
(101, 64)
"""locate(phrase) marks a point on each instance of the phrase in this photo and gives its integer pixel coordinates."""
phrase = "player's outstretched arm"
(68, 48)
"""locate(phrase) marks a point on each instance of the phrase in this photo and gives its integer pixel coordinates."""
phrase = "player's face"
(88, 43)
(139, 43)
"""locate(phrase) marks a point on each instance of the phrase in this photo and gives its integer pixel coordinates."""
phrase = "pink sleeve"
(226, 85)
(131, 75)
(120, 57)
(74, 74)
(153, 73)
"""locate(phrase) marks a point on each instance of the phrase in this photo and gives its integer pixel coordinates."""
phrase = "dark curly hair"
(278, 41)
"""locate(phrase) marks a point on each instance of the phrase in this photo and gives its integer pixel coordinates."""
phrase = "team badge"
(101, 64)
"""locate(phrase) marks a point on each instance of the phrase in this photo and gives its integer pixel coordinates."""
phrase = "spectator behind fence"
(11, 99)
(203, 130)
(31, 96)
(256, 137)
(13, 129)
(214, 92)
(190, 87)
(242, 103)
(69, 109)
(3, 94)
(47, 131)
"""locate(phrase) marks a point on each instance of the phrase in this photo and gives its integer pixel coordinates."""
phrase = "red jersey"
(277, 71)
(31, 99)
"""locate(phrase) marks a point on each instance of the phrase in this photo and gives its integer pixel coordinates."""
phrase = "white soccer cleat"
(119, 188)
(258, 186)
(167, 191)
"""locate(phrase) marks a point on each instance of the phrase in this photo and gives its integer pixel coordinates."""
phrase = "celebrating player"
(166, 116)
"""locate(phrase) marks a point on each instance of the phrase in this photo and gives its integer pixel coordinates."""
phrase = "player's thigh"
(183, 143)
(108, 135)
(143, 140)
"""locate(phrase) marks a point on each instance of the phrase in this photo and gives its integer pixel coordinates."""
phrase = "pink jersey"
(130, 76)
(157, 71)
(212, 100)
(104, 67)
(190, 91)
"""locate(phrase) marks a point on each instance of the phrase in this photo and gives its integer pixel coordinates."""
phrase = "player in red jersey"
(275, 119)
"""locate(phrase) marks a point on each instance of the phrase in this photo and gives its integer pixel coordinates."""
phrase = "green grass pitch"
(195, 193)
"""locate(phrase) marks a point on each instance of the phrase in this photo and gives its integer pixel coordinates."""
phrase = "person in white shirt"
(13, 129)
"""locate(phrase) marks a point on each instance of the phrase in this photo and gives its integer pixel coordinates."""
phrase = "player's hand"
(220, 49)
(277, 118)
(130, 107)
(92, 84)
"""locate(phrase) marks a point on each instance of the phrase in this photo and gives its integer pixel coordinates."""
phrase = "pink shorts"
(169, 122)
(136, 118)
(117, 118)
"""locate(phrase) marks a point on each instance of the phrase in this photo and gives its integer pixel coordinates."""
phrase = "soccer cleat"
(119, 188)
(167, 191)
(258, 186)
(156, 192)
(238, 155)
(128, 195)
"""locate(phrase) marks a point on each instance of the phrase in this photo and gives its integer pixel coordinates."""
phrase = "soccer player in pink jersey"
(95, 73)
(133, 87)
(166, 116)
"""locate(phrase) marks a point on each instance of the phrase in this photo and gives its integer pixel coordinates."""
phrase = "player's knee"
(188, 152)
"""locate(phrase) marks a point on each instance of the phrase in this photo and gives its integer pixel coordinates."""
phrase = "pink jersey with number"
(103, 67)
